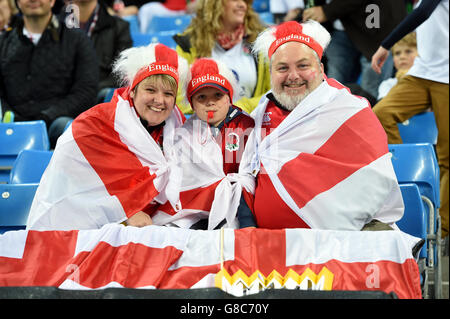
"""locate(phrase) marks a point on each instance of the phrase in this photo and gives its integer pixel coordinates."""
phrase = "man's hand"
(379, 58)
(291, 14)
(140, 219)
(314, 13)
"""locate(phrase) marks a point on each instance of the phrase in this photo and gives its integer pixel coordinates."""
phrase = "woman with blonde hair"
(224, 30)
(116, 161)
(8, 14)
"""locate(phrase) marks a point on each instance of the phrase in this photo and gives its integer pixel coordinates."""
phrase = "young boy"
(403, 53)
(210, 149)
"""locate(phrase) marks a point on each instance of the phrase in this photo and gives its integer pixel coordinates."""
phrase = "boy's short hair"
(409, 40)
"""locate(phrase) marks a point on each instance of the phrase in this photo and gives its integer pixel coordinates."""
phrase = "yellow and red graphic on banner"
(239, 284)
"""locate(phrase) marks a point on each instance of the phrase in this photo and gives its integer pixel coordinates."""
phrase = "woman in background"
(224, 30)
(8, 14)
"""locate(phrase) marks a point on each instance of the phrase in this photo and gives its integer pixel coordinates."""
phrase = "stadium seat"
(261, 5)
(15, 203)
(133, 21)
(164, 37)
(267, 18)
(17, 136)
(417, 163)
(68, 125)
(29, 166)
(164, 23)
(414, 222)
(109, 95)
(421, 128)
(415, 217)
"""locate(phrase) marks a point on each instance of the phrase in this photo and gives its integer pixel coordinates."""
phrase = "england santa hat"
(310, 33)
(207, 72)
(135, 64)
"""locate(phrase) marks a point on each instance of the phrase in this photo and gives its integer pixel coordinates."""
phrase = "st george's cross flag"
(160, 257)
(206, 191)
(105, 168)
(326, 165)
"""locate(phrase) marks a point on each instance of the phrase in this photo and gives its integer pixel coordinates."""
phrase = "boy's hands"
(140, 219)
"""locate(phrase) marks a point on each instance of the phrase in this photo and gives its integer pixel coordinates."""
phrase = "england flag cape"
(328, 161)
(204, 181)
(105, 168)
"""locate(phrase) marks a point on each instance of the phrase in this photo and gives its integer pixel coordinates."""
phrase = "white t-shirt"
(283, 6)
(34, 37)
(241, 62)
(385, 87)
(432, 46)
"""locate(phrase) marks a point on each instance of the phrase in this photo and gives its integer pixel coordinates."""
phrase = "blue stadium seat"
(417, 163)
(415, 217)
(421, 128)
(29, 166)
(261, 5)
(67, 125)
(109, 95)
(414, 222)
(15, 203)
(140, 39)
(164, 23)
(267, 17)
(165, 37)
(18, 136)
(133, 21)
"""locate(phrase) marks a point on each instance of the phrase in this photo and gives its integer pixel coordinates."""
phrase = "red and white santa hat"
(135, 64)
(207, 72)
(310, 33)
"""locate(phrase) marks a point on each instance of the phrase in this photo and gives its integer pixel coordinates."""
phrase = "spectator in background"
(358, 26)
(170, 8)
(403, 53)
(47, 71)
(224, 30)
(8, 14)
(286, 10)
(124, 8)
(425, 84)
(109, 34)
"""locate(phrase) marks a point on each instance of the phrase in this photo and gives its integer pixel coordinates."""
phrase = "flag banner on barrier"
(239, 262)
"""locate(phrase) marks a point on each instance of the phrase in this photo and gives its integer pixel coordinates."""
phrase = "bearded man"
(319, 154)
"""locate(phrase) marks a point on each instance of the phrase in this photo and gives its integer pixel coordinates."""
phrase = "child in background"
(404, 52)
(210, 149)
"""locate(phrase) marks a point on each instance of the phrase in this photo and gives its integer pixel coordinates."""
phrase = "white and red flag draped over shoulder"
(174, 258)
(206, 191)
(106, 167)
(326, 165)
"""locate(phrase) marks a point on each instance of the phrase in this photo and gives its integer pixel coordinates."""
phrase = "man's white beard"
(289, 101)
